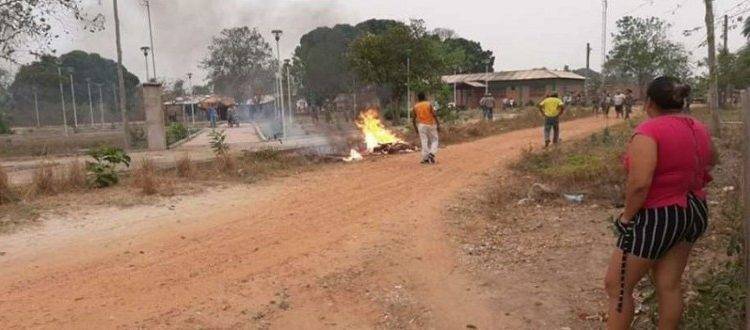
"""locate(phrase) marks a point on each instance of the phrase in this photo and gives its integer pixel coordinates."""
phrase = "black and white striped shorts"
(654, 231)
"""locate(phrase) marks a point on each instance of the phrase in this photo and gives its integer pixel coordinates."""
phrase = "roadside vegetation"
(593, 167)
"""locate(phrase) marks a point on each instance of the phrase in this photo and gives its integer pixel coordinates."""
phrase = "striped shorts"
(653, 232)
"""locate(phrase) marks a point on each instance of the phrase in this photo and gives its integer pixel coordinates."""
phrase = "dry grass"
(226, 164)
(75, 177)
(45, 180)
(7, 194)
(185, 167)
(145, 177)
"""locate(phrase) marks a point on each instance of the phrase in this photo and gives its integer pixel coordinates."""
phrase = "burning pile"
(377, 138)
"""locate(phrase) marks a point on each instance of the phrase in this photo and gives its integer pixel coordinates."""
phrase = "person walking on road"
(212, 114)
(619, 102)
(669, 163)
(426, 123)
(629, 102)
(488, 104)
(551, 108)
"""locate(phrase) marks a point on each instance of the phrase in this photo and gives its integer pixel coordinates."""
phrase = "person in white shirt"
(619, 101)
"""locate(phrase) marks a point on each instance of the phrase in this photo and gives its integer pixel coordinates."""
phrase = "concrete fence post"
(152, 107)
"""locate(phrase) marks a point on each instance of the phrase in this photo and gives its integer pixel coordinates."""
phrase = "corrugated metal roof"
(512, 76)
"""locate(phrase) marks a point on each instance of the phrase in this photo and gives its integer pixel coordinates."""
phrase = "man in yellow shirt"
(426, 123)
(552, 108)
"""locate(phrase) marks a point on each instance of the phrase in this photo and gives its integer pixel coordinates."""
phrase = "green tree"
(321, 64)
(43, 75)
(30, 20)
(382, 60)
(642, 51)
(746, 28)
(240, 63)
(474, 57)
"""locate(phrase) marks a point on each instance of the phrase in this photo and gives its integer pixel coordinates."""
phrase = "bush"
(138, 138)
(218, 142)
(75, 176)
(103, 171)
(145, 177)
(185, 167)
(4, 125)
(176, 132)
(6, 192)
(44, 181)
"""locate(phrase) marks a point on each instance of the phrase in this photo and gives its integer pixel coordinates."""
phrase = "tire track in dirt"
(356, 246)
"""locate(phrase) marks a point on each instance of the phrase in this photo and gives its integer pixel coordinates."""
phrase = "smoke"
(184, 28)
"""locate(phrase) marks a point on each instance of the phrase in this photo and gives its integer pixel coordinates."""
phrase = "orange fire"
(375, 133)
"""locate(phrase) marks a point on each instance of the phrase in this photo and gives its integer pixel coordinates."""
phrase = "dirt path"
(356, 246)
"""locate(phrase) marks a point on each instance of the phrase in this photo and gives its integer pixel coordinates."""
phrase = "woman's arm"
(642, 153)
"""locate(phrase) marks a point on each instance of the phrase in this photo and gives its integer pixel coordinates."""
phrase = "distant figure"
(596, 103)
(606, 104)
(619, 101)
(212, 116)
(629, 103)
(487, 103)
(552, 108)
(426, 123)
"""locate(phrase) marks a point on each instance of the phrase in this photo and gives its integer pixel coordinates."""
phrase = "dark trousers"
(550, 124)
(487, 113)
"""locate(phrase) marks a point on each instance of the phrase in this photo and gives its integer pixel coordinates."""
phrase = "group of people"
(621, 101)
(668, 164)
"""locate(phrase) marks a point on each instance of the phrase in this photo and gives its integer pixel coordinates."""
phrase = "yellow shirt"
(551, 106)
(424, 113)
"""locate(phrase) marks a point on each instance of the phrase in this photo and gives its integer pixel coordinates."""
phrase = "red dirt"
(356, 246)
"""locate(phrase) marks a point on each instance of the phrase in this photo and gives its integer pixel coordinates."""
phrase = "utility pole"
(588, 73)
(62, 99)
(713, 88)
(121, 80)
(289, 92)
(151, 36)
(91, 104)
(192, 97)
(101, 104)
(73, 92)
(604, 44)
(726, 34)
(36, 106)
(277, 35)
(408, 86)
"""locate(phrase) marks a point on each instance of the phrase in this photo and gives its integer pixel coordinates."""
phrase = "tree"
(382, 60)
(474, 56)
(240, 64)
(713, 88)
(642, 51)
(746, 28)
(42, 74)
(29, 20)
(321, 65)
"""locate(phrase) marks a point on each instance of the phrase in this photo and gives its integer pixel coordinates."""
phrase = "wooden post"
(746, 199)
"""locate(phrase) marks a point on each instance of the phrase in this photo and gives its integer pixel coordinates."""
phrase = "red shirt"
(684, 157)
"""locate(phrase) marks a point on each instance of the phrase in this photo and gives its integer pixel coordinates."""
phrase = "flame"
(375, 133)
(353, 156)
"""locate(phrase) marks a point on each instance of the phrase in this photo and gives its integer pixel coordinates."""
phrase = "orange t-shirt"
(424, 113)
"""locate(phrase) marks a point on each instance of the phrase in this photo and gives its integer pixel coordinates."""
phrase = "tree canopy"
(473, 56)
(642, 51)
(240, 63)
(24, 20)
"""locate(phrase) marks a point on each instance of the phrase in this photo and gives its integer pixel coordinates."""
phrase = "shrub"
(218, 142)
(6, 193)
(176, 132)
(138, 138)
(75, 176)
(44, 181)
(145, 177)
(185, 167)
(4, 125)
(103, 170)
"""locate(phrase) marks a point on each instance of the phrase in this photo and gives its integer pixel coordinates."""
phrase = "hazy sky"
(523, 34)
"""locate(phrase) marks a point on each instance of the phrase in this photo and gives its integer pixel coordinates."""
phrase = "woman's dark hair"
(421, 96)
(668, 93)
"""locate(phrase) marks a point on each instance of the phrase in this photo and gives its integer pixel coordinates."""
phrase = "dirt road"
(349, 246)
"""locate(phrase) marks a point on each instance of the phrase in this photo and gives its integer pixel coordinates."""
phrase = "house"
(525, 86)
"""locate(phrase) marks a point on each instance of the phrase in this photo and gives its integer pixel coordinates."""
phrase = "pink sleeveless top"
(683, 160)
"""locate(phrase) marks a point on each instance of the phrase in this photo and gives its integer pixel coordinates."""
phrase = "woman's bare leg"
(636, 268)
(668, 280)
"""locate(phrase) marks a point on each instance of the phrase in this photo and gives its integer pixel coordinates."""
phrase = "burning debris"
(377, 138)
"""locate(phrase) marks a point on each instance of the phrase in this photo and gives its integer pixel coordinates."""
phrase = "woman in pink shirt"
(669, 162)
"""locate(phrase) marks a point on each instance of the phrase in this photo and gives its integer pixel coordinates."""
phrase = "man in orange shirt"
(427, 125)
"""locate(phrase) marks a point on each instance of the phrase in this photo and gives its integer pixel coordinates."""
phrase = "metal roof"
(534, 74)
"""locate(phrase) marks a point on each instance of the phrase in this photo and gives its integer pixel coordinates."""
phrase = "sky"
(522, 34)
